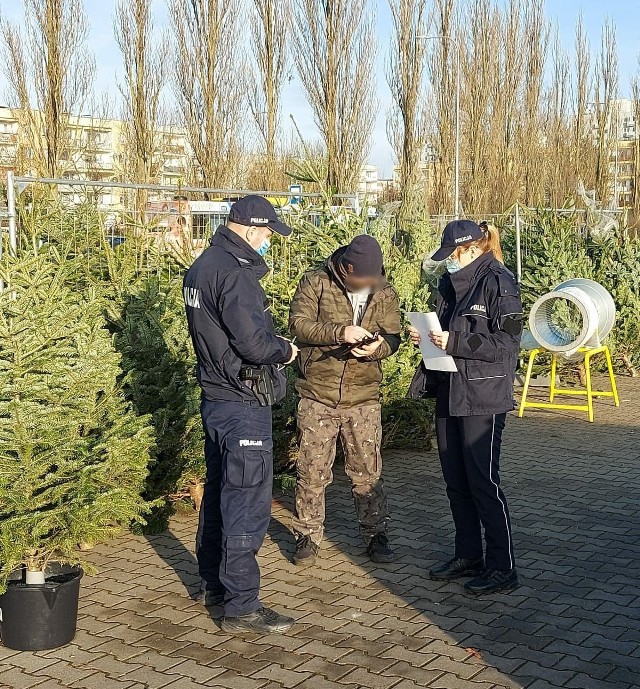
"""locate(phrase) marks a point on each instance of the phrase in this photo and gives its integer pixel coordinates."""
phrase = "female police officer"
(481, 317)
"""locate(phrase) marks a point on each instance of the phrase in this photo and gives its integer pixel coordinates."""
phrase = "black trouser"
(469, 448)
(236, 507)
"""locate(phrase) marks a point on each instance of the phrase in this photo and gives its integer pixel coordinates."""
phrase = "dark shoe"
(209, 598)
(379, 549)
(263, 621)
(456, 568)
(306, 551)
(493, 581)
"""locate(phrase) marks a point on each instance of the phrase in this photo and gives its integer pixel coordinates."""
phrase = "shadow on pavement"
(574, 493)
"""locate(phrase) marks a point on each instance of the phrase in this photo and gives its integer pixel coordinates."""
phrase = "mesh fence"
(146, 223)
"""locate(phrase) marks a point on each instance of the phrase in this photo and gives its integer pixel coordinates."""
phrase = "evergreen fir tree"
(73, 454)
(157, 354)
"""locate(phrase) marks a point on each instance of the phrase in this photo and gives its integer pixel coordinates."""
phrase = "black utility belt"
(259, 381)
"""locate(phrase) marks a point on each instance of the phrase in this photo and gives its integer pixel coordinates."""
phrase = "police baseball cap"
(457, 233)
(258, 212)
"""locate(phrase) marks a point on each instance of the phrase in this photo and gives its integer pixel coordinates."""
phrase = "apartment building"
(95, 149)
(623, 131)
(8, 140)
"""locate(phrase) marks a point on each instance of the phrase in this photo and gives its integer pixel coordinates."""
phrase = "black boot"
(493, 581)
(262, 621)
(306, 551)
(379, 549)
(456, 568)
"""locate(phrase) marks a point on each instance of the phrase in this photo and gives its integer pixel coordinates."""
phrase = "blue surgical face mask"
(264, 247)
(452, 265)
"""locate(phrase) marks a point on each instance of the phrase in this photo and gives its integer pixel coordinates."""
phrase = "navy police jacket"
(480, 307)
(229, 319)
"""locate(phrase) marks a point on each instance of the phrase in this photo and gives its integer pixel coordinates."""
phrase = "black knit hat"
(363, 257)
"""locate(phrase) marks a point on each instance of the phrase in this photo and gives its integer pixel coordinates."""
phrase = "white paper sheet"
(434, 358)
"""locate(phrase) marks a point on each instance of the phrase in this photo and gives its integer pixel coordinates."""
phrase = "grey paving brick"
(231, 680)
(195, 671)
(325, 668)
(66, 672)
(462, 669)
(572, 624)
(449, 681)
(317, 682)
(549, 674)
(583, 681)
(363, 678)
(150, 678)
(411, 672)
(287, 678)
(16, 678)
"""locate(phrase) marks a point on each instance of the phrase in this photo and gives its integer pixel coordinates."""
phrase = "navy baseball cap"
(257, 211)
(457, 233)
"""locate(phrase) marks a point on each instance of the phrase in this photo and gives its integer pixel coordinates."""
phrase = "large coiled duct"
(577, 313)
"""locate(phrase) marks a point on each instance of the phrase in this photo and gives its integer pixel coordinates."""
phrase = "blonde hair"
(490, 241)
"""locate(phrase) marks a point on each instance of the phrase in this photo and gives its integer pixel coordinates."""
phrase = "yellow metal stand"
(588, 391)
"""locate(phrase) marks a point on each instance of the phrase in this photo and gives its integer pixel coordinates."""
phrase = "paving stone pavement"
(574, 492)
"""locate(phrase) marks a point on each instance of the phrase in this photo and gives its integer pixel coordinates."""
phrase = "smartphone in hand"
(367, 340)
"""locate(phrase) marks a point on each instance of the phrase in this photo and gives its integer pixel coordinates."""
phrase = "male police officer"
(240, 358)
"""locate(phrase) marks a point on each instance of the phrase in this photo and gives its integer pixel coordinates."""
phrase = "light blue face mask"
(264, 247)
(452, 265)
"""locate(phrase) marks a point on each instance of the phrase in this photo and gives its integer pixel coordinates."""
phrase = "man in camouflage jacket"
(334, 310)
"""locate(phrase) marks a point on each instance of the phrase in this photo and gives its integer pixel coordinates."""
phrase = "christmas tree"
(73, 454)
(158, 356)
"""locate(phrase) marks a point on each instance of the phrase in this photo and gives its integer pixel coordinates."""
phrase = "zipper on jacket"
(487, 377)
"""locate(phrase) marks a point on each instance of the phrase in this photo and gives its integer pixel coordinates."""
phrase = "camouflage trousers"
(360, 430)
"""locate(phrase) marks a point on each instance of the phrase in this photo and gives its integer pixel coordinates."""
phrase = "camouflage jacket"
(320, 312)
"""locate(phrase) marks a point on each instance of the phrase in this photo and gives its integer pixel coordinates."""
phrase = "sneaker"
(262, 621)
(456, 568)
(306, 551)
(493, 581)
(379, 549)
(209, 598)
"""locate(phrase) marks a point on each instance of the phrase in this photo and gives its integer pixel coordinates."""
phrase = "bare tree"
(207, 85)
(50, 73)
(334, 47)
(144, 70)
(269, 36)
(582, 131)
(605, 92)
(479, 43)
(635, 95)
(406, 126)
(532, 140)
(524, 137)
(441, 68)
(559, 177)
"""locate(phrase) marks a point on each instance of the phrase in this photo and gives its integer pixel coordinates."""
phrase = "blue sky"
(624, 13)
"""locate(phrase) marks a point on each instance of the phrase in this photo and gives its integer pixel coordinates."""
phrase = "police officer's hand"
(367, 350)
(354, 333)
(294, 353)
(439, 339)
(414, 336)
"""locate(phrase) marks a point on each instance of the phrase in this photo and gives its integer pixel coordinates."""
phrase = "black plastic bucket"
(40, 616)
